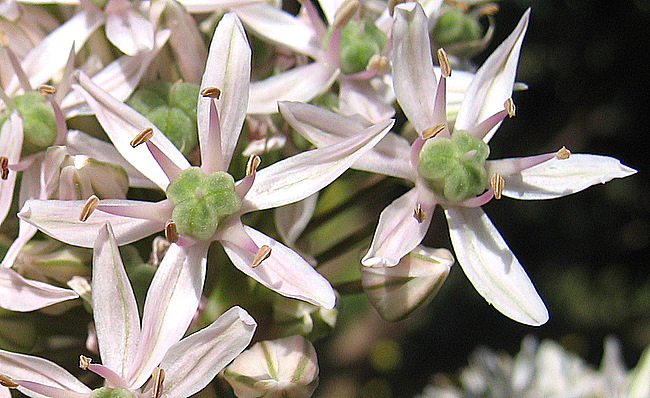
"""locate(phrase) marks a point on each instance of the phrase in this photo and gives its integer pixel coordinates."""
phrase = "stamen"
(392, 4)
(158, 377)
(211, 92)
(171, 233)
(6, 381)
(345, 13)
(144, 136)
(252, 165)
(419, 214)
(89, 208)
(498, 183)
(262, 254)
(46, 89)
(4, 40)
(4, 167)
(510, 107)
(563, 153)
(379, 64)
(444, 63)
(84, 362)
(432, 131)
(486, 9)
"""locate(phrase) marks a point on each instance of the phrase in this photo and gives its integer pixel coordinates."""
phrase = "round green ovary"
(39, 122)
(106, 392)
(455, 167)
(454, 26)
(202, 201)
(360, 40)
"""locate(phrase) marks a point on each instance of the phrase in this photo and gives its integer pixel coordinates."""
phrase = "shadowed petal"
(20, 294)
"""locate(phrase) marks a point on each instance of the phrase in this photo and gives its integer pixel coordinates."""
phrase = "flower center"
(455, 167)
(202, 201)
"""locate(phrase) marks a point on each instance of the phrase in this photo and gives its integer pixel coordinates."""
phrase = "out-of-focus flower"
(132, 352)
(279, 368)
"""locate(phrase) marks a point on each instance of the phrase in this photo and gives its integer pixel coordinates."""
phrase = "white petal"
(301, 175)
(194, 361)
(493, 82)
(172, 300)
(301, 84)
(129, 32)
(560, 177)
(186, 42)
(492, 268)
(20, 294)
(640, 376)
(398, 231)
(413, 77)
(26, 231)
(284, 271)
(11, 144)
(363, 98)
(291, 220)
(205, 6)
(115, 310)
(229, 69)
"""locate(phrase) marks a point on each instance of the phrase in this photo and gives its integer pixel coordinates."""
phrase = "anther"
(46, 89)
(4, 167)
(432, 131)
(171, 233)
(142, 137)
(4, 40)
(252, 165)
(444, 63)
(6, 381)
(158, 377)
(89, 208)
(563, 153)
(419, 214)
(345, 13)
(84, 362)
(211, 92)
(510, 107)
(498, 183)
(262, 254)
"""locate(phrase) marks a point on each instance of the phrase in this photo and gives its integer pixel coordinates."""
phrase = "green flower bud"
(454, 26)
(298, 317)
(106, 392)
(360, 40)
(39, 122)
(202, 201)
(172, 108)
(455, 167)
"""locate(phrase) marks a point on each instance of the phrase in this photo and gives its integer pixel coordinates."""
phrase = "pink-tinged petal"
(39, 370)
(280, 27)
(11, 144)
(122, 123)
(20, 294)
(413, 77)
(560, 177)
(229, 69)
(493, 82)
(329, 8)
(51, 54)
(172, 300)
(60, 220)
(300, 84)
(25, 232)
(291, 220)
(322, 127)
(117, 324)
(186, 41)
(194, 361)
(492, 268)
(119, 78)
(284, 272)
(128, 31)
(363, 97)
(301, 175)
(399, 232)
(207, 6)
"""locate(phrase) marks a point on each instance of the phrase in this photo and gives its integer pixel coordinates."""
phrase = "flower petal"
(398, 231)
(25, 232)
(128, 31)
(301, 175)
(194, 361)
(11, 144)
(560, 177)
(363, 97)
(291, 220)
(21, 294)
(118, 323)
(492, 268)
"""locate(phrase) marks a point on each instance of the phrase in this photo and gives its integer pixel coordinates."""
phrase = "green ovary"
(202, 201)
(106, 392)
(39, 122)
(360, 40)
(455, 167)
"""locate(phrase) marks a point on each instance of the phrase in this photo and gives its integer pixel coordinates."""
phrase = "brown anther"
(498, 183)
(142, 137)
(418, 214)
(46, 89)
(84, 362)
(211, 92)
(487, 9)
(89, 207)
(4, 40)
(379, 64)
(432, 131)
(158, 377)
(563, 153)
(252, 165)
(444, 63)
(262, 254)
(6, 381)
(392, 4)
(345, 13)
(171, 233)
(4, 167)
(510, 107)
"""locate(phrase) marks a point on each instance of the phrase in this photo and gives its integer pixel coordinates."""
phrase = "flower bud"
(282, 368)
(397, 291)
(105, 179)
(299, 317)
(360, 40)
